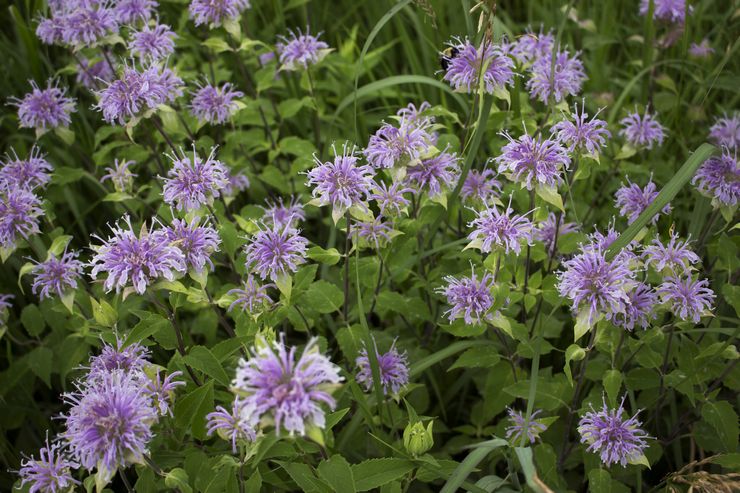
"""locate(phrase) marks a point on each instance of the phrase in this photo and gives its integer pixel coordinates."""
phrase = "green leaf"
(573, 353)
(33, 320)
(723, 418)
(284, 283)
(524, 454)
(40, 361)
(191, 410)
(328, 257)
(551, 196)
(59, 245)
(103, 313)
(323, 297)
(470, 462)
(202, 359)
(337, 472)
(178, 479)
(612, 383)
(477, 357)
(147, 327)
(67, 135)
(218, 45)
(374, 473)
(584, 322)
(600, 481)
(434, 358)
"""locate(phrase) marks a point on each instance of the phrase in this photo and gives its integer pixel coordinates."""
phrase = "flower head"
(131, 358)
(533, 161)
(152, 43)
(675, 256)
(238, 424)
(251, 297)
(120, 175)
(615, 439)
(393, 369)
(299, 51)
(56, 275)
(373, 232)
(673, 11)
(192, 183)
(45, 108)
(19, 214)
(701, 50)
(552, 228)
(91, 75)
(469, 297)
(434, 174)
(642, 130)
(34, 171)
(215, 104)
(133, 260)
(496, 229)
(341, 183)
(531, 46)
(87, 23)
(719, 179)
(292, 392)
(726, 131)
(391, 145)
(278, 214)
(196, 242)
(581, 133)
(687, 299)
(215, 12)
(566, 79)
(480, 186)
(276, 252)
(162, 390)
(469, 63)
(633, 200)
(390, 199)
(50, 473)
(517, 429)
(130, 11)
(640, 309)
(238, 182)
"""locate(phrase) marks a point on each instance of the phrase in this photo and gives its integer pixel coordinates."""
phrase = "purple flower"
(32, 172)
(91, 75)
(495, 230)
(238, 424)
(133, 260)
(719, 179)
(50, 30)
(642, 131)
(109, 423)
(44, 108)
(416, 116)
(121, 177)
(19, 214)
(390, 200)
(238, 182)
(551, 227)
(134, 91)
(130, 11)
(633, 200)
(666, 10)
(50, 473)
(87, 23)
(56, 275)
(403, 145)
(290, 392)
(470, 298)
(373, 232)
(599, 241)
(152, 43)
(701, 50)
(434, 174)
(215, 104)
(639, 310)
(299, 51)
(726, 131)
(251, 297)
(5, 301)
(517, 429)
(197, 243)
(393, 369)
(687, 299)
(465, 66)
(480, 186)
(162, 390)
(277, 252)
(279, 215)
(130, 359)
(533, 162)
(215, 12)
(341, 183)
(582, 133)
(565, 80)
(675, 256)
(531, 46)
(192, 183)
(596, 286)
(615, 439)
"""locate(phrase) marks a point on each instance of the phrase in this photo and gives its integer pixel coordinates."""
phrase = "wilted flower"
(50, 473)
(92, 75)
(687, 299)
(44, 108)
(136, 260)
(615, 439)
(531, 45)
(299, 51)
(374, 232)
(130, 11)
(701, 50)
(19, 214)
(480, 185)
(533, 162)
(470, 298)
(152, 43)
(581, 133)
(639, 310)
(642, 131)
(121, 177)
(666, 10)
(468, 63)
(393, 369)
(215, 104)
(726, 131)
(341, 183)
(215, 12)
(494, 229)
(32, 172)
(238, 424)
(251, 296)
(291, 392)
(192, 183)
(397, 145)
(279, 215)
(633, 200)
(276, 252)
(719, 179)
(434, 174)
(675, 256)
(391, 199)
(565, 80)
(196, 242)
(517, 427)
(56, 275)
(551, 227)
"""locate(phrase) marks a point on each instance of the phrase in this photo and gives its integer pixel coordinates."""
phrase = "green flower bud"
(417, 439)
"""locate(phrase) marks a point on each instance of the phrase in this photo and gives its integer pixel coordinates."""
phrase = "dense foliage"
(369, 246)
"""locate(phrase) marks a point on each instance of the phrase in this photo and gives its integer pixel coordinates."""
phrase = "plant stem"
(347, 243)
(178, 334)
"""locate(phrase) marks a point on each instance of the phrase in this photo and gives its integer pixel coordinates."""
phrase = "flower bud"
(417, 439)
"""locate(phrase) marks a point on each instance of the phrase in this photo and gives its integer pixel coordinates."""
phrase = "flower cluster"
(193, 183)
(214, 104)
(46, 108)
(470, 298)
(393, 370)
(216, 12)
(471, 67)
(633, 200)
(533, 162)
(341, 182)
(719, 179)
(642, 131)
(557, 80)
(614, 438)
(56, 275)
(494, 229)
(298, 51)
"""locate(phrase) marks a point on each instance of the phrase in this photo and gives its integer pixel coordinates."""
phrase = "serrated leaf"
(202, 359)
(374, 473)
(323, 297)
(337, 472)
(191, 409)
(723, 418)
(178, 479)
(612, 383)
(477, 357)
(328, 257)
